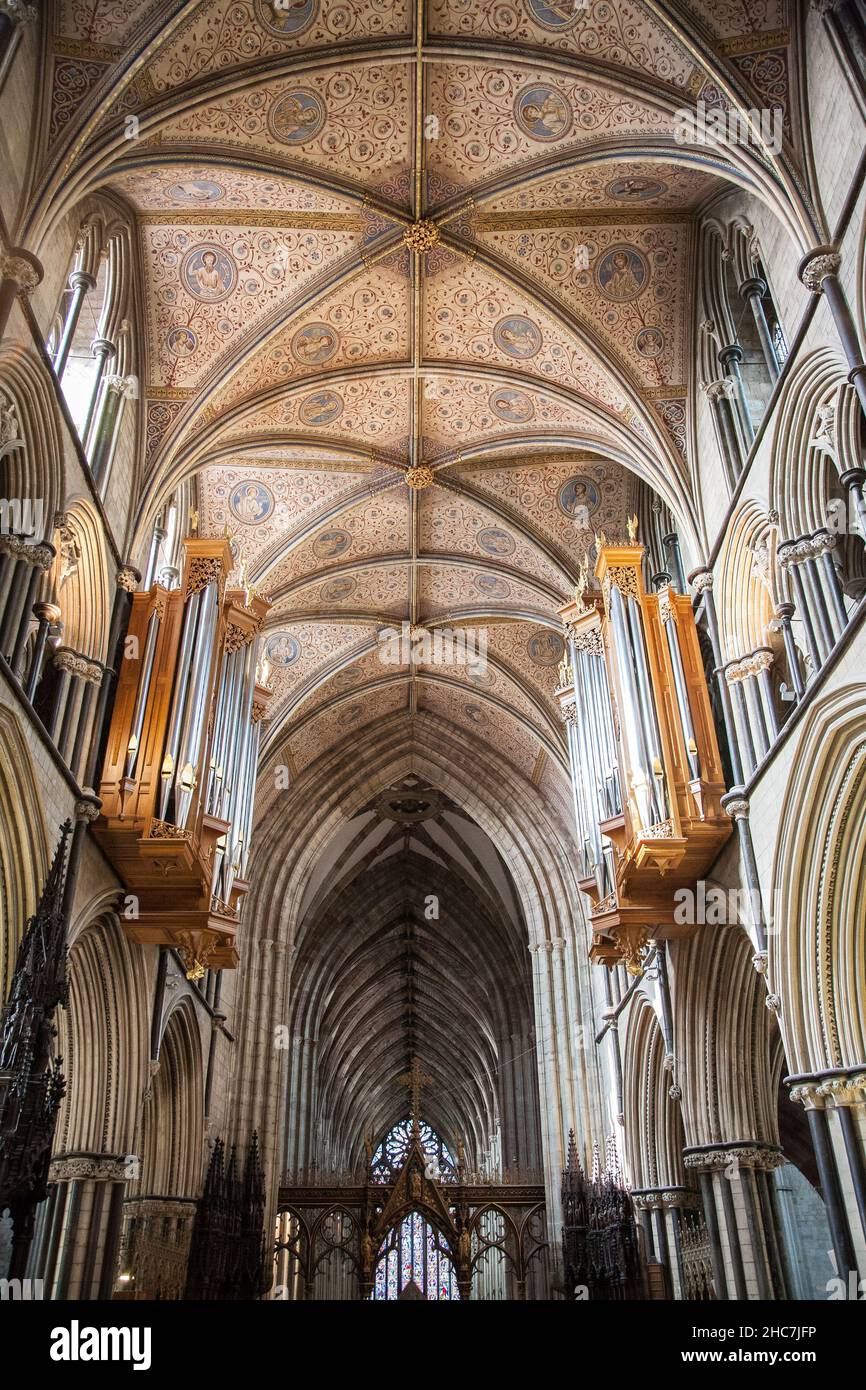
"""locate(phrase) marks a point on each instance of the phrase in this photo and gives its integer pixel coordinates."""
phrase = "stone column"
(737, 807)
(20, 273)
(720, 394)
(753, 291)
(80, 282)
(701, 581)
(666, 1207)
(29, 565)
(102, 349)
(118, 390)
(730, 359)
(834, 1105)
(81, 1230)
(740, 1217)
(128, 580)
(819, 272)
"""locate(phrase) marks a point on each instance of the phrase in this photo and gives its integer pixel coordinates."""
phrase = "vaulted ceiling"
(416, 280)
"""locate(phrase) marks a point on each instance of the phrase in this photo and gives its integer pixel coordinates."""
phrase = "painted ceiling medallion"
(518, 336)
(579, 498)
(296, 117)
(286, 17)
(545, 648)
(542, 112)
(208, 273)
(650, 342)
(193, 193)
(421, 236)
(420, 477)
(282, 649)
(336, 590)
(635, 189)
(181, 342)
(513, 406)
(321, 408)
(251, 503)
(621, 274)
(495, 541)
(554, 16)
(331, 543)
(314, 344)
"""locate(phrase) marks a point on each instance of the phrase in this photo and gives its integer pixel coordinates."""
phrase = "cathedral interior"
(432, 574)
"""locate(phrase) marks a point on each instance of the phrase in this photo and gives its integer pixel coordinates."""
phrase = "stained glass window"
(391, 1154)
(414, 1251)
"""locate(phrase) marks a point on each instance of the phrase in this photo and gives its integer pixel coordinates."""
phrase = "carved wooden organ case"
(646, 770)
(180, 764)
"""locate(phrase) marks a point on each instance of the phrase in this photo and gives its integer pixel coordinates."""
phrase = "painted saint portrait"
(477, 716)
(251, 503)
(181, 342)
(321, 408)
(552, 15)
(196, 192)
(491, 586)
(579, 497)
(621, 274)
(338, 589)
(296, 117)
(513, 406)
(208, 273)
(286, 17)
(542, 112)
(518, 336)
(650, 342)
(315, 343)
(282, 649)
(495, 541)
(545, 648)
(636, 189)
(331, 543)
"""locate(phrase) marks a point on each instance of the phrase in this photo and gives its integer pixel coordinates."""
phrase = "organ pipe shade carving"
(178, 778)
(646, 771)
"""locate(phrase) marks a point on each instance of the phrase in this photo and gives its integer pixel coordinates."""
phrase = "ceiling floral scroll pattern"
(100, 21)
(372, 411)
(375, 526)
(643, 184)
(456, 409)
(619, 33)
(454, 525)
(363, 134)
(216, 281)
(464, 308)
(226, 34)
(369, 324)
(481, 136)
(641, 321)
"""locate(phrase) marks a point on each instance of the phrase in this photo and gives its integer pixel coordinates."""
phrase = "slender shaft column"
(784, 613)
(720, 394)
(854, 480)
(753, 292)
(20, 273)
(46, 615)
(835, 1104)
(737, 807)
(731, 359)
(80, 282)
(102, 349)
(702, 583)
(819, 272)
(32, 562)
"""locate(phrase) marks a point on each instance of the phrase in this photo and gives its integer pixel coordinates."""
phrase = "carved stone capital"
(23, 268)
(701, 581)
(817, 265)
(739, 1155)
(723, 389)
(91, 1167)
(128, 579)
(736, 806)
(88, 807)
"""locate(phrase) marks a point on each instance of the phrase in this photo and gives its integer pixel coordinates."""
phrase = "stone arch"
(816, 428)
(103, 1041)
(653, 1127)
(722, 1037)
(749, 586)
(172, 1148)
(33, 472)
(817, 961)
(24, 851)
(82, 583)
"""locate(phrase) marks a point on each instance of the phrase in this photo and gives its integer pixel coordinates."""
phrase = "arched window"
(391, 1154)
(414, 1260)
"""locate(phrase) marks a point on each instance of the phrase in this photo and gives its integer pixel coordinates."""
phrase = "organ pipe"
(646, 772)
(178, 779)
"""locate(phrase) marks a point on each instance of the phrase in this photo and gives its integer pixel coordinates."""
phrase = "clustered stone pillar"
(78, 1229)
(720, 394)
(72, 714)
(22, 568)
(701, 581)
(819, 272)
(661, 1213)
(835, 1104)
(739, 1202)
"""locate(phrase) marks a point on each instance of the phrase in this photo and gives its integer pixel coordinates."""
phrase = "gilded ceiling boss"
(432, 572)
